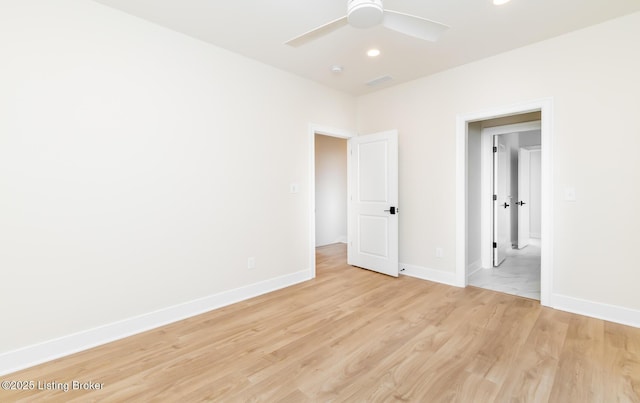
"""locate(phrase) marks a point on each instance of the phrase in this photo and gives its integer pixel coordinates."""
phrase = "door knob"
(392, 210)
(505, 205)
(521, 203)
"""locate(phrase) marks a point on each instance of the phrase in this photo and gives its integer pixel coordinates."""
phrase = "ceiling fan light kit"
(364, 13)
(369, 13)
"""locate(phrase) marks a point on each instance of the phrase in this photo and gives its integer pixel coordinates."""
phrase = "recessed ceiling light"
(336, 68)
(500, 2)
(373, 52)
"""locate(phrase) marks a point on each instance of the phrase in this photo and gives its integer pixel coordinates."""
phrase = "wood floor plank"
(580, 370)
(351, 335)
(622, 364)
(537, 361)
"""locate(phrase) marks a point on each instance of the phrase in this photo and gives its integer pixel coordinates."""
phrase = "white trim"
(546, 107)
(473, 268)
(486, 183)
(532, 148)
(611, 313)
(513, 128)
(325, 131)
(29, 356)
(425, 273)
(341, 239)
(462, 140)
(546, 145)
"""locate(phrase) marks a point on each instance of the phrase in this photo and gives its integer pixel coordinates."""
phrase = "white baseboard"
(611, 313)
(474, 267)
(29, 356)
(424, 273)
(535, 235)
(341, 239)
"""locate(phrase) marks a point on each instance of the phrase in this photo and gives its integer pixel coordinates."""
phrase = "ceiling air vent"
(379, 80)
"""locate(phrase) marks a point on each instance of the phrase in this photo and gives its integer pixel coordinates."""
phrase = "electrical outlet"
(251, 263)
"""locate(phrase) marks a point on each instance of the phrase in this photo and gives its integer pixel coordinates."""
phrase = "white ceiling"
(259, 28)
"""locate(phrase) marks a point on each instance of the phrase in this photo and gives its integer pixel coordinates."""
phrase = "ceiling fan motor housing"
(364, 13)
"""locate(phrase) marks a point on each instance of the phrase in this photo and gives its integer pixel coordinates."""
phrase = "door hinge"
(495, 244)
(495, 149)
(495, 197)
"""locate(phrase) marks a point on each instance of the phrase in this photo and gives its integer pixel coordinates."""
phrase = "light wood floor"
(356, 336)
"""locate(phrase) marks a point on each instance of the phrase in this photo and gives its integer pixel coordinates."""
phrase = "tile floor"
(519, 273)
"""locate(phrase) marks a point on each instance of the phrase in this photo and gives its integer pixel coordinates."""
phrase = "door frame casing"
(545, 107)
(323, 131)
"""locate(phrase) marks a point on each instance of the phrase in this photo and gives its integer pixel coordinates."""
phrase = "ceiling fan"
(369, 13)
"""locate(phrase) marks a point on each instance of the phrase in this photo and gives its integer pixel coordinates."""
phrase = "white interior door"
(524, 188)
(373, 202)
(500, 200)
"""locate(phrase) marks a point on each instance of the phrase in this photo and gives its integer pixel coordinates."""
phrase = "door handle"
(505, 205)
(392, 210)
(521, 203)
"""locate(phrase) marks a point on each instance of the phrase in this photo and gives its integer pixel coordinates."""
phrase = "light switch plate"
(570, 193)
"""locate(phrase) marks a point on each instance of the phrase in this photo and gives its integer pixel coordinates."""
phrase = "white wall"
(331, 189)
(592, 76)
(140, 168)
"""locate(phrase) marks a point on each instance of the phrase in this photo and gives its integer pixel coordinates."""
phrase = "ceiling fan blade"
(412, 25)
(318, 32)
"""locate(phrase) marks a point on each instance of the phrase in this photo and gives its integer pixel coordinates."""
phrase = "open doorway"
(372, 193)
(331, 178)
(328, 178)
(514, 185)
(331, 190)
(474, 247)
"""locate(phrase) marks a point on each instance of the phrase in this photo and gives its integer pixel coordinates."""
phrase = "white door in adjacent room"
(501, 202)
